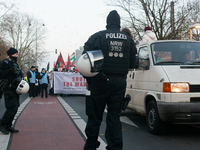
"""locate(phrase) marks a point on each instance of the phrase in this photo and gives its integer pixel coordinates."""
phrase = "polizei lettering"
(116, 36)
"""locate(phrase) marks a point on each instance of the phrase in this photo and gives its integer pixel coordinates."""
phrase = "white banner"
(69, 83)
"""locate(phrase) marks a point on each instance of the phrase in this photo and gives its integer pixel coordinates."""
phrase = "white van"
(166, 86)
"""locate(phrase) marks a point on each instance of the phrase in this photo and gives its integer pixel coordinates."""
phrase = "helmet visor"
(96, 60)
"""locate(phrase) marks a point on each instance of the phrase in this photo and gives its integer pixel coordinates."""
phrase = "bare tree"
(193, 17)
(5, 7)
(3, 49)
(27, 35)
(156, 14)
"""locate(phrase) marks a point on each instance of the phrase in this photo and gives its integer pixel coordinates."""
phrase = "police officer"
(108, 86)
(44, 81)
(31, 75)
(9, 70)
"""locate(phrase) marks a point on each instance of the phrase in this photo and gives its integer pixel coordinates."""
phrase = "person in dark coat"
(9, 70)
(31, 76)
(44, 81)
(107, 88)
(128, 32)
(55, 69)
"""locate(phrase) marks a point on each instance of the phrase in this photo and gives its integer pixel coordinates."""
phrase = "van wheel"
(152, 118)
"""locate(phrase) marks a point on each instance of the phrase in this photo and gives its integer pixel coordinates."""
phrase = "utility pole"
(172, 20)
(36, 47)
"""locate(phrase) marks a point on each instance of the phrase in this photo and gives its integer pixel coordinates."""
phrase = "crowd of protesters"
(74, 70)
(38, 82)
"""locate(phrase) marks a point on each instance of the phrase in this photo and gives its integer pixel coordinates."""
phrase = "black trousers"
(108, 91)
(11, 99)
(44, 88)
(32, 90)
(37, 90)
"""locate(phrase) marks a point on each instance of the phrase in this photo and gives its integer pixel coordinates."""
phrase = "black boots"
(6, 129)
(12, 130)
(3, 129)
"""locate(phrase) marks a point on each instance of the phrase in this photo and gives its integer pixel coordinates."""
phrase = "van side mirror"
(143, 58)
(144, 63)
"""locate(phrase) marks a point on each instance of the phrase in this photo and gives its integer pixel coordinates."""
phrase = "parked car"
(166, 85)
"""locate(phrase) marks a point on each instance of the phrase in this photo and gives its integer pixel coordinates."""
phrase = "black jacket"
(9, 70)
(118, 48)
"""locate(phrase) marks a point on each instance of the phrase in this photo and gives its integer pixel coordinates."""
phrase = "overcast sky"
(69, 22)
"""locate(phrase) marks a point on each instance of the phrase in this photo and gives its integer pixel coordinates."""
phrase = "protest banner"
(69, 83)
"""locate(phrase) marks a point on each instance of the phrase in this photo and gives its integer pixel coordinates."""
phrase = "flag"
(72, 57)
(68, 62)
(54, 64)
(60, 62)
(72, 65)
(48, 66)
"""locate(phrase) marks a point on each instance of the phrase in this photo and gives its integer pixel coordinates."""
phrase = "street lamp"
(36, 38)
(36, 54)
(195, 26)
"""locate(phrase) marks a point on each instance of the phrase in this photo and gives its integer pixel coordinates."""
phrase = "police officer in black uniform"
(9, 70)
(108, 86)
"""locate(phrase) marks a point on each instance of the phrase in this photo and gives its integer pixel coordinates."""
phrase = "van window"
(162, 56)
(176, 53)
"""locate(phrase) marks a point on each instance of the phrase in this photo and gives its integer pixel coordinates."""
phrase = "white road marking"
(75, 117)
(73, 114)
(41, 103)
(126, 120)
(80, 122)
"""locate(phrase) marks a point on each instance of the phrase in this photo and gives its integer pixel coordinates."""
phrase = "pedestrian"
(55, 69)
(186, 57)
(149, 35)
(9, 70)
(128, 32)
(44, 81)
(31, 75)
(108, 86)
(63, 70)
(74, 70)
(37, 84)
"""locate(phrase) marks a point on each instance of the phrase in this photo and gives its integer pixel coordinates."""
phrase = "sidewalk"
(45, 125)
